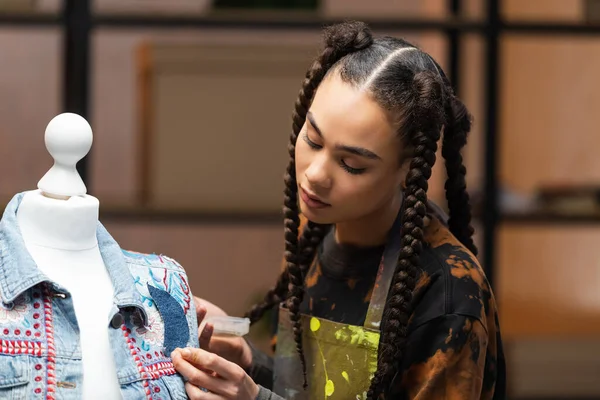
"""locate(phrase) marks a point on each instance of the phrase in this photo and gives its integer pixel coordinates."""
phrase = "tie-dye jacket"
(40, 356)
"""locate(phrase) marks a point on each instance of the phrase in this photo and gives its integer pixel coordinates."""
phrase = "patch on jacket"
(176, 332)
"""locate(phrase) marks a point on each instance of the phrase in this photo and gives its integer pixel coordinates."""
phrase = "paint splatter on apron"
(341, 359)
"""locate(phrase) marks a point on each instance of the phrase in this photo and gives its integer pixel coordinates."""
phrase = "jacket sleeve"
(261, 370)
(444, 359)
(266, 394)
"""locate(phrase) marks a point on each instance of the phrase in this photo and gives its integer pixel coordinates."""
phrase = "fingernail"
(186, 353)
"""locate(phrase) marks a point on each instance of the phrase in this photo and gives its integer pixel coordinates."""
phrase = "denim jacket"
(40, 355)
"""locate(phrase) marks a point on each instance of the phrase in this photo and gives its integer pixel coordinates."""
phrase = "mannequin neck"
(61, 224)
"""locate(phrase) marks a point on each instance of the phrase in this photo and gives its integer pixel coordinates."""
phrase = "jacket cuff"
(266, 394)
(261, 369)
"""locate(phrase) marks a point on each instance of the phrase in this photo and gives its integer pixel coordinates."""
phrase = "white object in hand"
(227, 326)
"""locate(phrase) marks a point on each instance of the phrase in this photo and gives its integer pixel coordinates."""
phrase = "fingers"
(205, 336)
(228, 381)
(202, 359)
(200, 312)
(211, 309)
(195, 375)
(198, 305)
(195, 393)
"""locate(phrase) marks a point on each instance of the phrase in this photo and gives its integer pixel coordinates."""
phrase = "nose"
(317, 173)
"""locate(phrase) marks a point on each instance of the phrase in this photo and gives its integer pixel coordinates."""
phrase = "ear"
(402, 173)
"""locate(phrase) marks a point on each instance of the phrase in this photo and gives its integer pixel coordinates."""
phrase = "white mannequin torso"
(60, 236)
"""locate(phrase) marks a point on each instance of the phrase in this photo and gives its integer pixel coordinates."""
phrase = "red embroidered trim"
(15, 347)
(186, 291)
(138, 362)
(161, 369)
(51, 365)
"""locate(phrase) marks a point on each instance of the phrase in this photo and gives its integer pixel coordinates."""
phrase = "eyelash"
(350, 170)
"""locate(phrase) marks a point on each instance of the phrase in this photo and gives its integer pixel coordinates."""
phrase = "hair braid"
(273, 296)
(456, 130)
(426, 121)
(309, 240)
(339, 42)
(455, 137)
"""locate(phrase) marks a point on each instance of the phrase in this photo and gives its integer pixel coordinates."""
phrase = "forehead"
(349, 116)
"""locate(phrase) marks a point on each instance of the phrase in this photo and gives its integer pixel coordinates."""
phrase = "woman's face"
(347, 156)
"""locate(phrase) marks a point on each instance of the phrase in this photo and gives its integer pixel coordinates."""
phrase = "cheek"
(368, 190)
(356, 186)
(302, 157)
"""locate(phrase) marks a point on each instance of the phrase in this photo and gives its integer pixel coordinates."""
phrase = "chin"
(321, 216)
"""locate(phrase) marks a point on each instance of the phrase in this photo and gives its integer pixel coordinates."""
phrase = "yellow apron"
(341, 359)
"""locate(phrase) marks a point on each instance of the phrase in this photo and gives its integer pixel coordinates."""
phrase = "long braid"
(273, 296)
(309, 242)
(291, 223)
(337, 46)
(426, 119)
(456, 130)
(455, 138)
(310, 238)
(339, 43)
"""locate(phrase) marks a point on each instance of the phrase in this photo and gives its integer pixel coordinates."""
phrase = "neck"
(372, 229)
(68, 224)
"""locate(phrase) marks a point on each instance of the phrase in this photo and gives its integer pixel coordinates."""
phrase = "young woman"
(381, 296)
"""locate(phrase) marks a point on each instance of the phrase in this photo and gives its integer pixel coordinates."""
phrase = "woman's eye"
(312, 144)
(352, 170)
(343, 164)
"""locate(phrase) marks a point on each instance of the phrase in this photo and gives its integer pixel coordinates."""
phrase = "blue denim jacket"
(40, 356)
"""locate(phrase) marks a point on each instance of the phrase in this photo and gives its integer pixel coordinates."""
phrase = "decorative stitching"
(152, 260)
(161, 369)
(138, 362)
(51, 365)
(186, 291)
(17, 347)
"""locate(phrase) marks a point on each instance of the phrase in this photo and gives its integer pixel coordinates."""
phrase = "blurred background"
(190, 103)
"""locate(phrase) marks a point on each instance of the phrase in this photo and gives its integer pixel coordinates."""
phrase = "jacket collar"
(19, 272)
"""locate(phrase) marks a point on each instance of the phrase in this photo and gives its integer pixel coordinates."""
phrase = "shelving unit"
(78, 22)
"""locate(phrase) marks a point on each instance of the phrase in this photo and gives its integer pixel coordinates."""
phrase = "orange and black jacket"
(454, 348)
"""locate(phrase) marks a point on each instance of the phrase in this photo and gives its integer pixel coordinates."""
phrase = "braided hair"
(338, 43)
(411, 86)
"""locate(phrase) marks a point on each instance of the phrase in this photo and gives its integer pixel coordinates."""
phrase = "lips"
(311, 200)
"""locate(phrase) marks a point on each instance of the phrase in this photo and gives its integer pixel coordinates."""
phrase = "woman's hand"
(234, 349)
(223, 379)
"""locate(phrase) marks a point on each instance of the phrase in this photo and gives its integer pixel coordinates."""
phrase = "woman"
(381, 297)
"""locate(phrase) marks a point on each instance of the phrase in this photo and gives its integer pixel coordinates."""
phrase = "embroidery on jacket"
(173, 316)
(16, 313)
(148, 344)
(51, 363)
(138, 360)
(171, 282)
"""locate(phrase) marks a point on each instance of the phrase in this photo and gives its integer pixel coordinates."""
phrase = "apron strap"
(385, 274)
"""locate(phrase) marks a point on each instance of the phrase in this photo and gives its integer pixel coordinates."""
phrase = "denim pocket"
(175, 386)
(14, 377)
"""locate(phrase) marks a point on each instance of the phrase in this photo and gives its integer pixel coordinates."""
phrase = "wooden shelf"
(140, 215)
(547, 218)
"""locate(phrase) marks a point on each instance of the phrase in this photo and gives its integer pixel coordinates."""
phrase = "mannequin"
(58, 224)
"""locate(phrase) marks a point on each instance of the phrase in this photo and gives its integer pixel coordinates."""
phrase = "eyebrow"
(359, 151)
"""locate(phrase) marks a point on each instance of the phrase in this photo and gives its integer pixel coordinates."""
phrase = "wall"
(547, 130)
